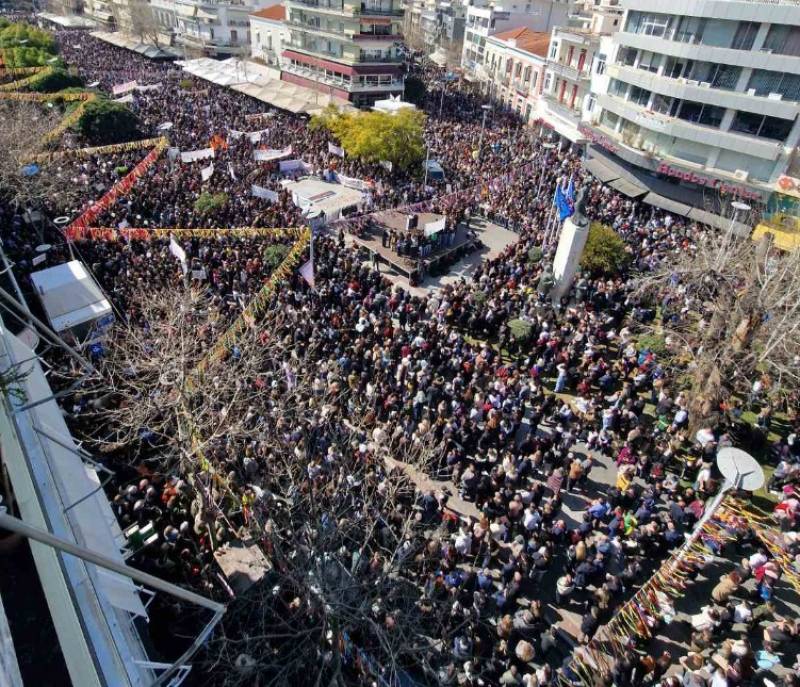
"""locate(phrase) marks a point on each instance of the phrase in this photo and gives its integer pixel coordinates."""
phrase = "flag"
(307, 272)
(217, 143)
(335, 150)
(207, 172)
(563, 203)
(178, 252)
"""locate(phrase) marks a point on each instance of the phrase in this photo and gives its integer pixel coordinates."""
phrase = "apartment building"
(346, 48)
(706, 94)
(484, 20)
(269, 34)
(577, 54)
(515, 69)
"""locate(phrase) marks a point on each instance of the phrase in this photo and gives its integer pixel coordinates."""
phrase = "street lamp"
(547, 146)
(427, 158)
(485, 109)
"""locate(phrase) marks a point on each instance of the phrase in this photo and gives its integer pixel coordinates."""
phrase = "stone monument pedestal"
(571, 241)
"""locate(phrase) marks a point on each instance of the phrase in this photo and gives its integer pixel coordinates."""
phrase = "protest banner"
(122, 88)
(195, 155)
(265, 193)
(335, 150)
(207, 172)
(267, 154)
(292, 165)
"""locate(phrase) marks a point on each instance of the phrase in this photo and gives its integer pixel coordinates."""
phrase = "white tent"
(70, 296)
(392, 105)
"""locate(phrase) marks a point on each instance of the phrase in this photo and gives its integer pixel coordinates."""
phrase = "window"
(690, 30)
(600, 64)
(547, 81)
(590, 101)
(783, 39)
(762, 125)
(649, 61)
(234, 36)
(609, 119)
(700, 113)
(553, 51)
(723, 76)
(534, 80)
(675, 67)
(640, 96)
(618, 88)
(627, 56)
(745, 35)
(764, 82)
(648, 24)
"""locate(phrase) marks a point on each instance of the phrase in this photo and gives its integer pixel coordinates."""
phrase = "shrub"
(604, 253)
(185, 84)
(274, 255)
(655, 343)
(103, 122)
(13, 35)
(535, 255)
(56, 80)
(520, 329)
(206, 202)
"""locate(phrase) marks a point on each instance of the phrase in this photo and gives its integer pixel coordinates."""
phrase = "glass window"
(764, 82)
(618, 88)
(649, 61)
(783, 39)
(690, 111)
(690, 30)
(762, 125)
(600, 64)
(745, 35)
(609, 119)
(627, 56)
(640, 96)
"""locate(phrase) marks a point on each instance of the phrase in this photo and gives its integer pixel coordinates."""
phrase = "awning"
(317, 62)
(721, 223)
(626, 188)
(600, 171)
(668, 204)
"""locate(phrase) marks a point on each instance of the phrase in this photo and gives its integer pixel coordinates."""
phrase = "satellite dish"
(740, 469)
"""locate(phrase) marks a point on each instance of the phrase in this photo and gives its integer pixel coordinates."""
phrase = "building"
(347, 49)
(578, 54)
(269, 34)
(487, 20)
(705, 95)
(515, 69)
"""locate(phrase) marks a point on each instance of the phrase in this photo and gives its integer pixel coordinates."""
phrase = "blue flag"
(564, 203)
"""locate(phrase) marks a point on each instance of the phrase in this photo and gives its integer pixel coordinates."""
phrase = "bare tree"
(273, 462)
(731, 310)
(136, 18)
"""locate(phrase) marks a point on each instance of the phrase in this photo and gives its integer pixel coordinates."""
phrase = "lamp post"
(485, 109)
(427, 158)
(547, 146)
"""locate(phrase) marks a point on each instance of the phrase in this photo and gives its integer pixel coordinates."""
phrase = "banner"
(352, 182)
(253, 136)
(195, 155)
(231, 172)
(126, 99)
(101, 150)
(122, 88)
(431, 228)
(291, 165)
(173, 153)
(387, 165)
(176, 249)
(267, 154)
(265, 193)
(151, 87)
(207, 172)
(335, 150)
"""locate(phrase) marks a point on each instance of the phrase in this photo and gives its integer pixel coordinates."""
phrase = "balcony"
(376, 37)
(379, 11)
(568, 72)
(313, 28)
(572, 115)
(693, 90)
(379, 59)
(318, 4)
(691, 131)
(336, 82)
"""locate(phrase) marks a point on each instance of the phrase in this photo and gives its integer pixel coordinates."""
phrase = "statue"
(579, 216)
(546, 281)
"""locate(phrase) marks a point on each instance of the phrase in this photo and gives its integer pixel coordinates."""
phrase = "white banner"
(265, 193)
(151, 87)
(39, 259)
(352, 182)
(335, 150)
(127, 99)
(207, 172)
(122, 88)
(386, 164)
(291, 165)
(271, 154)
(431, 228)
(195, 155)
(173, 153)
(178, 252)
(231, 172)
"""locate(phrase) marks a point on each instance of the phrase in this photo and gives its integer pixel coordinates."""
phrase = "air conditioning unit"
(775, 96)
(704, 84)
(751, 91)
(691, 82)
(741, 175)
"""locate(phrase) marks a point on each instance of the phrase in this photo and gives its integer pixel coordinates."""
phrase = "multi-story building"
(515, 69)
(484, 20)
(268, 34)
(578, 53)
(436, 27)
(346, 48)
(705, 93)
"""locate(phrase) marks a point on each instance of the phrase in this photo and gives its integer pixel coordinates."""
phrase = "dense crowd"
(520, 428)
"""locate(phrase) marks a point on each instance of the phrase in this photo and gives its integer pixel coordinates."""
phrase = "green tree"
(605, 252)
(415, 90)
(376, 136)
(104, 122)
(55, 80)
(25, 35)
(274, 255)
(206, 202)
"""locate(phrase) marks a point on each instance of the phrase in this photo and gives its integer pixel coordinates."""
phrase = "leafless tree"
(731, 312)
(293, 467)
(136, 17)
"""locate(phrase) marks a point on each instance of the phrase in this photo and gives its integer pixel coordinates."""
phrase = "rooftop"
(273, 12)
(523, 38)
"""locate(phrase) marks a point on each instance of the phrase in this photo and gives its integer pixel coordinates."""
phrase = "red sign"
(710, 182)
(598, 138)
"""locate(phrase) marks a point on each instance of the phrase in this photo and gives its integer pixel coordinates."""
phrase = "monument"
(572, 239)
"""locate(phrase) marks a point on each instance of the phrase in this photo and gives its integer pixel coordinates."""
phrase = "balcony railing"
(380, 11)
(334, 7)
(379, 59)
(567, 71)
(376, 37)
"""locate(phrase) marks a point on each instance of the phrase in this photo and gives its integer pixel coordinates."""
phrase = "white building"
(515, 69)
(269, 34)
(578, 55)
(489, 19)
(705, 94)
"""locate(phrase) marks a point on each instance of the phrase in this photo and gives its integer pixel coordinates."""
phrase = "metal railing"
(379, 11)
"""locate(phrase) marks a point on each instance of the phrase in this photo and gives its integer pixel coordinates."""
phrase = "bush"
(604, 253)
(520, 329)
(25, 56)
(56, 80)
(206, 202)
(654, 343)
(13, 35)
(185, 84)
(535, 255)
(103, 122)
(274, 255)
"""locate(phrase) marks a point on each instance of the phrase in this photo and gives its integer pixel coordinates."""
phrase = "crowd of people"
(519, 429)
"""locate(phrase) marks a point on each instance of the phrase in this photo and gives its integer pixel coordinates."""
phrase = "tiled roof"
(536, 42)
(274, 12)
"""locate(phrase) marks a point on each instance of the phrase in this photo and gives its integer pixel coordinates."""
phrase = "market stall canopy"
(122, 40)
